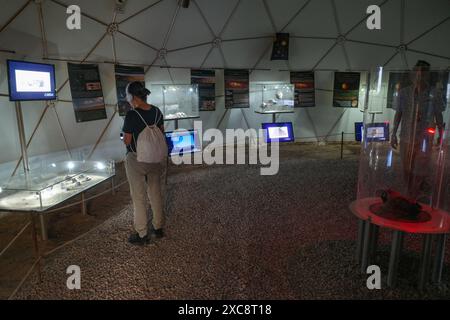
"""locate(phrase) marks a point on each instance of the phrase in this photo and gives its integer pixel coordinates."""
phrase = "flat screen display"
(183, 142)
(359, 131)
(377, 132)
(278, 132)
(31, 81)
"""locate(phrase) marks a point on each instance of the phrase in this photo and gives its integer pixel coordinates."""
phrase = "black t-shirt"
(134, 124)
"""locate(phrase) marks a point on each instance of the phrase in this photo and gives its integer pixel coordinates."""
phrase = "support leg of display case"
(425, 261)
(374, 242)
(83, 204)
(360, 240)
(274, 118)
(439, 258)
(113, 186)
(396, 249)
(366, 246)
(37, 252)
(44, 232)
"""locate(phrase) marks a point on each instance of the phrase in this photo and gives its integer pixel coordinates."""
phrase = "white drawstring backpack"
(151, 145)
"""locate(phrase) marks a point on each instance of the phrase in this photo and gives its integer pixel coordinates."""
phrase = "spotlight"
(71, 165)
(184, 3)
(120, 6)
(1, 189)
(101, 166)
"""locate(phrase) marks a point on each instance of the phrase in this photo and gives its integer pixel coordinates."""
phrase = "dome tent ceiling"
(232, 34)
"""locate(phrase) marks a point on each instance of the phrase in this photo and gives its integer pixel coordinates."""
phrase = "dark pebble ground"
(233, 234)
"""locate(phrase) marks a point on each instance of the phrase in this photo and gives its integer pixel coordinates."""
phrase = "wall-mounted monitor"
(31, 81)
(278, 132)
(183, 142)
(377, 132)
(359, 131)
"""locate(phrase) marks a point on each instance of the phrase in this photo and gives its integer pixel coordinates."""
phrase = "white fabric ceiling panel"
(249, 20)
(151, 25)
(189, 57)
(390, 26)
(189, 29)
(130, 51)
(217, 12)
(9, 10)
(283, 10)
(214, 59)
(335, 57)
(102, 10)
(420, 16)
(243, 54)
(69, 44)
(25, 26)
(133, 7)
(364, 57)
(306, 53)
(316, 19)
(440, 38)
(350, 13)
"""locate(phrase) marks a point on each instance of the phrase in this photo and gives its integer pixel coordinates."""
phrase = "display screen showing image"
(31, 81)
(346, 89)
(377, 132)
(183, 142)
(278, 132)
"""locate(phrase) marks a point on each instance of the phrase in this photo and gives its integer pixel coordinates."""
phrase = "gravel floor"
(233, 234)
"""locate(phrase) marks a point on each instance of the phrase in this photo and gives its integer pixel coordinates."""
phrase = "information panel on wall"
(346, 89)
(237, 89)
(125, 75)
(206, 81)
(87, 94)
(305, 92)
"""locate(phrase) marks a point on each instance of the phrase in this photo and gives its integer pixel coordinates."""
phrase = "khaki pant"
(146, 180)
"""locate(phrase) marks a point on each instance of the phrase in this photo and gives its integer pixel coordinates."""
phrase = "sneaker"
(135, 239)
(158, 233)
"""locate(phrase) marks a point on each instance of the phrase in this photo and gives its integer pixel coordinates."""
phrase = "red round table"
(368, 229)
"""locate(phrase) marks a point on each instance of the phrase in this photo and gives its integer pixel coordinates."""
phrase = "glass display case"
(404, 171)
(52, 183)
(268, 98)
(176, 101)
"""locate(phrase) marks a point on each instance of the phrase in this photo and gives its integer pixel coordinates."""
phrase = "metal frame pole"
(360, 240)
(44, 230)
(425, 261)
(23, 145)
(439, 258)
(366, 246)
(396, 248)
(36, 245)
(83, 204)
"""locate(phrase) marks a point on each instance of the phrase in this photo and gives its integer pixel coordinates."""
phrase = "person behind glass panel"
(145, 179)
(418, 113)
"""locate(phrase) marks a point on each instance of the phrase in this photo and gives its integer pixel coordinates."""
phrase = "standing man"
(419, 113)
